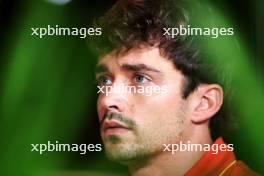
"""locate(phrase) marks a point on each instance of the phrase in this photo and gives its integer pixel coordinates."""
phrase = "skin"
(151, 121)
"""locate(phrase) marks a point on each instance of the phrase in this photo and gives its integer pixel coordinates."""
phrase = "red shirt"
(223, 163)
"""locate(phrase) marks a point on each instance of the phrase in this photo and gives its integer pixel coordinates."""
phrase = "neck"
(166, 163)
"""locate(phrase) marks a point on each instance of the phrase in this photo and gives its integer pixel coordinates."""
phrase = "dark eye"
(104, 80)
(141, 79)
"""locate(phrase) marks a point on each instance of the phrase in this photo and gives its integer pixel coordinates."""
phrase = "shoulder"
(241, 169)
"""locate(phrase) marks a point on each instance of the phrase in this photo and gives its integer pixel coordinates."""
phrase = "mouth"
(113, 127)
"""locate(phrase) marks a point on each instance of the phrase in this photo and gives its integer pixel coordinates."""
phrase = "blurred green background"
(48, 91)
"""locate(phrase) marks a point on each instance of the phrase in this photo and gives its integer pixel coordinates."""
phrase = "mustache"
(119, 117)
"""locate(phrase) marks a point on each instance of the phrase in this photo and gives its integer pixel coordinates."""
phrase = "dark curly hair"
(131, 23)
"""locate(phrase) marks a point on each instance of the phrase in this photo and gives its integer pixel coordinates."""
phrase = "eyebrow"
(130, 67)
(101, 68)
(139, 67)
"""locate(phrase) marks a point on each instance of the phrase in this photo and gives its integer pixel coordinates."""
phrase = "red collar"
(213, 164)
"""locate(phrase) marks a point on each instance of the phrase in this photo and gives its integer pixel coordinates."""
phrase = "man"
(144, 131)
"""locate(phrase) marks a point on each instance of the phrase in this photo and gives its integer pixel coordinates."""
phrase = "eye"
(104, 80)
(141, 79)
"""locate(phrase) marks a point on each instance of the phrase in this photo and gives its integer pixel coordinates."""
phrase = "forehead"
(148, 56)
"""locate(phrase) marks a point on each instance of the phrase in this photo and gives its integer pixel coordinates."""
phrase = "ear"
(207, 100)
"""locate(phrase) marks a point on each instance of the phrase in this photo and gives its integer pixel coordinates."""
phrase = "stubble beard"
(141, 145)
(124, 151)
(135, 149)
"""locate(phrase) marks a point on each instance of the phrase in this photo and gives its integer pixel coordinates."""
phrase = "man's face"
(136, 125)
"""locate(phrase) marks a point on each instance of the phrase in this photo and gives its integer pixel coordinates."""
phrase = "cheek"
(159, 124)
(161, 104)
(99, 107)
(162, 113)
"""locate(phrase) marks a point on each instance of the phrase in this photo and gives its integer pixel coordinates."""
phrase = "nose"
(115, 101)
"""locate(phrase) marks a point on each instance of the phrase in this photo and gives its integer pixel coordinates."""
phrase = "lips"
(113, 126)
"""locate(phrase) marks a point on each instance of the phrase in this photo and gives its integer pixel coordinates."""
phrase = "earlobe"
(209, 99)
